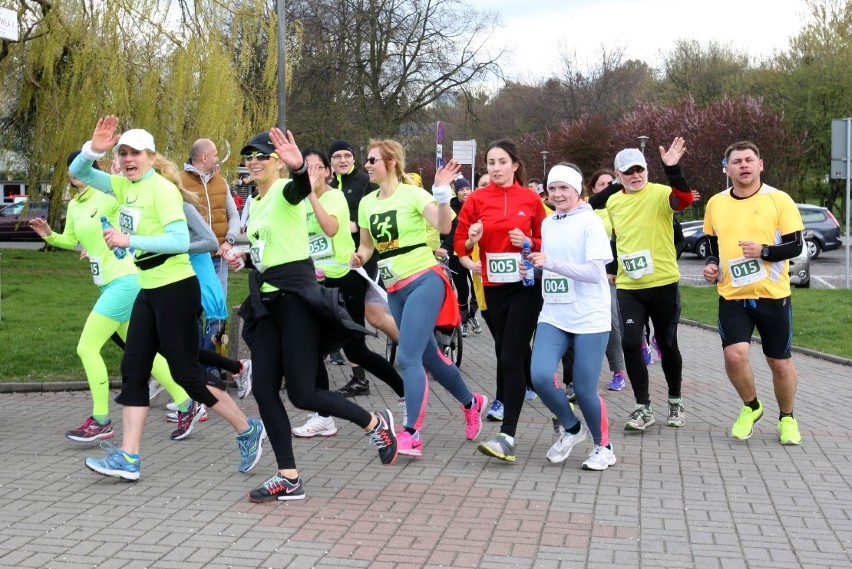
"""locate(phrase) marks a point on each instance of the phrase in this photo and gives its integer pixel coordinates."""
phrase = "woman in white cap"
(152, 222)
(576, 311)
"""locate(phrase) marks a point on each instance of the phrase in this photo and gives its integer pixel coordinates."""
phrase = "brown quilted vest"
(212, 200)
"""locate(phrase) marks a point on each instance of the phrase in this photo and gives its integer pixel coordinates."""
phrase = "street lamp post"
(642, 140)
(544, 154)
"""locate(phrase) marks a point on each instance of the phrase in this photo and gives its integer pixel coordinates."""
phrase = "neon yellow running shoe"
(744, 427)
(788, 431)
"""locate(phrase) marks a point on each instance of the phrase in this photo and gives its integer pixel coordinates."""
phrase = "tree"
(703, 74)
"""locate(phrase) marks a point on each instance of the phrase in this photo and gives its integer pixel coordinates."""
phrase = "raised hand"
(446, 174)
(316, 172)
(104, 137)
(286, 148)
(677, 149)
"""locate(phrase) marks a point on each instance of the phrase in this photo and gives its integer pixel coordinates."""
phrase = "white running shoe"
(172, 416)
(316, 425)
(562, 448)
(154, 389)
(600, 459)
(243, 379)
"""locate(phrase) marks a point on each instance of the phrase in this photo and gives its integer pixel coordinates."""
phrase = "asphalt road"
(828, 271)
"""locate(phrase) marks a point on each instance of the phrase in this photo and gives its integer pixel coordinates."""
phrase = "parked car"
(825, 230)
(14, 221)
(822, 232)
(800, 267)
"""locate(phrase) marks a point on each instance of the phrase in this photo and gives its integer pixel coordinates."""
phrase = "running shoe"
(356, 386)
(473, 416)
(409, 445)
(496, 411)
(90, 431)
(600, 459)
(744, 426)
(464, 330)
(336, 358)
(656, 348)
(498, 447)
(647, 355)
(186, 421)
(474, 323)
(251, 445)
(116, 463)
(566, 442)
(569, 392)
(530, 395)
(154, 389)
(278, 488)
(383, 437)
(243, 379)
(316, 425)
(640, 419)
(617, 383)
(172, 416)
(404, 410)
(677, 417)
(788, 431)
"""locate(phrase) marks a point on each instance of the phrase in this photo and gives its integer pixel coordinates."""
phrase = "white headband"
(567, 175)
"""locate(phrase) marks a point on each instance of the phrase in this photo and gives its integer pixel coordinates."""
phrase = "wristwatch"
(230, 240)
(764, 253)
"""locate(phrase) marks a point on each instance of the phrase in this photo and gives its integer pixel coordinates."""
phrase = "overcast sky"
(533, 29)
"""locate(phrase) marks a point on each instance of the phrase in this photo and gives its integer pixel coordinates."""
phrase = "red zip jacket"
(500, 210)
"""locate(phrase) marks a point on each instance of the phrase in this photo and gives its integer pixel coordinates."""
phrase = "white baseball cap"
(628, 158)
(137, 139)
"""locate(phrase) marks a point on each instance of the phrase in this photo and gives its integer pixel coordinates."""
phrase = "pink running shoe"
(473, 416)
(408, 444)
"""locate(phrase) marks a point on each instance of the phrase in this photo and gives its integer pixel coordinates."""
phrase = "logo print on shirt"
(384, 229)
(521, 213)
(94, 212)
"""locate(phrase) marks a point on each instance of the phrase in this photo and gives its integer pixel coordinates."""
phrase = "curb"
(58, 386)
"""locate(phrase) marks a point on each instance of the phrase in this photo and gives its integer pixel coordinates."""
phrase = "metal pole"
(848, 185)
(544, 154)
(282, 60)
(642, 140)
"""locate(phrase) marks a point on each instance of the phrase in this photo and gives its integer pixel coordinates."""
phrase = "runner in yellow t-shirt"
(754, 229)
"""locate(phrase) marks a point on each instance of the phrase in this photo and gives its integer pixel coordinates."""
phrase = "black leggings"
(513, 310)
(662, 305)
(286, 344)
(163, 320)
(353, 289)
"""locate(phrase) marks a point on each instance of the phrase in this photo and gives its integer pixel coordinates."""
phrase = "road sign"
(840, 150)
(8, 25)
(464, 151)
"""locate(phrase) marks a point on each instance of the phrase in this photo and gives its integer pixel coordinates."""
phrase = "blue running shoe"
(251, 445)
(647, 355)
(496, 412)
(117, 463)
(530, 395)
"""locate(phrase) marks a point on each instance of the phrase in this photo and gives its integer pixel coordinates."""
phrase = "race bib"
(97, 275)
(637, 264)
(557, 289)
(503, 267)
(746, 271)
(128, 220)
(256, 253)
(389, 277)
(319, 246)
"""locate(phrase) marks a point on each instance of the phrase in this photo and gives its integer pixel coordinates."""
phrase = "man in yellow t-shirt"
(647, 282)
(754, 230)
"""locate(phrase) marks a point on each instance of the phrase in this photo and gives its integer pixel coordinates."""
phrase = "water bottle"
(320, 274)
(529, 280)
(120, 252)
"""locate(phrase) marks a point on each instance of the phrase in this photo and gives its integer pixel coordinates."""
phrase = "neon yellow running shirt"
(331, 253)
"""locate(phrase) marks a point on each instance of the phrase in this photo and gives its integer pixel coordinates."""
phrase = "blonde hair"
(170, 171)
(392, 150)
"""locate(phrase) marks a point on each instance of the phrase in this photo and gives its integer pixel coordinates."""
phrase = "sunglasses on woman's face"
(634, 170)
(259, 156)
(373, 160)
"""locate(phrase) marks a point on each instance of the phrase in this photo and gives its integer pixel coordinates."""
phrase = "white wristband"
(442, 194)
(89, 154)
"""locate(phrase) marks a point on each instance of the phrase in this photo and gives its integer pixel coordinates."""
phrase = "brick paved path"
(689, 497)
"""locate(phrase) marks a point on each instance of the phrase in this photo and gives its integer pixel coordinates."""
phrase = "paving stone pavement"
(677, 498)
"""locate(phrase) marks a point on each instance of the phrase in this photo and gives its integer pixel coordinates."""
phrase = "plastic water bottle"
(320, 274)
(529, 280)
(120, 252)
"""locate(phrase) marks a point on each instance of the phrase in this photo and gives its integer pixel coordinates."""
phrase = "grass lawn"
(45, 297)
